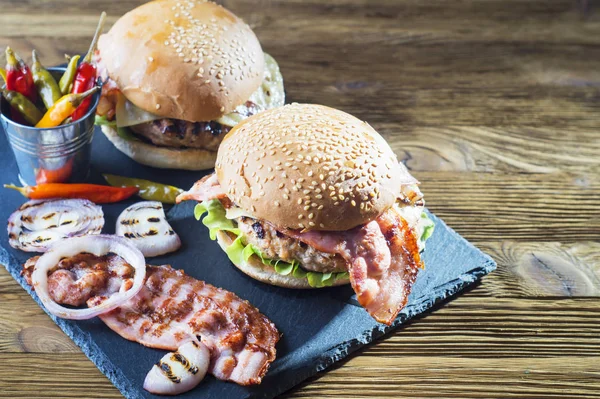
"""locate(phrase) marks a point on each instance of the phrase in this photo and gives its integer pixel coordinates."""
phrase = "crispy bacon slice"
(383, 261)
(173, 308)
(207, 188)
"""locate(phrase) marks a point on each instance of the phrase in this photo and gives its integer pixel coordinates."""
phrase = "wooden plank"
(511, 149)
(552, 269)
(530, 207)
(53, 376)
(73, 376)
(442, 377)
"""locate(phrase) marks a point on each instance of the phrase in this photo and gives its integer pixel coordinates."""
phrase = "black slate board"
(319, 327)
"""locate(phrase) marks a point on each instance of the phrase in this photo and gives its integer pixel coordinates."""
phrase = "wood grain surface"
(494, 105)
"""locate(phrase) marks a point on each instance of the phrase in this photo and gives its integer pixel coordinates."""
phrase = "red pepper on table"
(93, 192)
(18, 76)
(85, 78)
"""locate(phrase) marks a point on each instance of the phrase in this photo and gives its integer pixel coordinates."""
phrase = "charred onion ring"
(98, 245)
(38, 224)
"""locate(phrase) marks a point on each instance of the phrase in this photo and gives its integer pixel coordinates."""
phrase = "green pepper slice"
(149, 190)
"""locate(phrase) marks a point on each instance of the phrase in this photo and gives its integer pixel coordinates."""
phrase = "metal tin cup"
(56, 155)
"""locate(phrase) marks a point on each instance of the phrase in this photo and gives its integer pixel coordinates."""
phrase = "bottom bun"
(161, 157)
(254, 268)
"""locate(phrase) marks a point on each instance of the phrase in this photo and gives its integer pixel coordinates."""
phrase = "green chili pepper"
(21, 103)
(44, 82)
(66, 82)
(149, 190)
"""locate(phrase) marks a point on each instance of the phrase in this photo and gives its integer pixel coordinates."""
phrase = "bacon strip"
(207, 188)
(173, 308)
(383, 261)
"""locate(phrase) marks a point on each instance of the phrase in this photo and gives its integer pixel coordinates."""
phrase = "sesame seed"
(157, 106)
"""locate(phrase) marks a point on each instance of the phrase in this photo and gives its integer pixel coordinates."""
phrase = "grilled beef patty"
(183, 134)
(275, 245)
(179, 134)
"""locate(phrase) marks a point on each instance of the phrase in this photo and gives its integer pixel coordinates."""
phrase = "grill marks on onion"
(145, 224)
(179, 371)
(38, 224)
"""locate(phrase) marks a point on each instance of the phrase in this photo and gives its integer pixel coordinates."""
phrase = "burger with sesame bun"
(306, 196)
(178, 75)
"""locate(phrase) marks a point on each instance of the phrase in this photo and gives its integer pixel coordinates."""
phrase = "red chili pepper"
(18, 76)
(85, 78)
(93, 192)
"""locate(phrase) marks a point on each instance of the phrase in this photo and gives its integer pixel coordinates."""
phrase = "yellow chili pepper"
(64, 108)
(3, 73)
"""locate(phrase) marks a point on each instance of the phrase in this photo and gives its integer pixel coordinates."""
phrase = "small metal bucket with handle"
(51, 155)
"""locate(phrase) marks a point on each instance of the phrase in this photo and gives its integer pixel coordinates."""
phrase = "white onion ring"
(98, 245)
(38, 224)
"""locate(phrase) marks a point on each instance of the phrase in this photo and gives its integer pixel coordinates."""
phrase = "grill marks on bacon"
(173, 308)
(207, 188)
(383, 261)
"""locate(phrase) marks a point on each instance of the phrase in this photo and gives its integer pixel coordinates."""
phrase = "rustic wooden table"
(495, 107)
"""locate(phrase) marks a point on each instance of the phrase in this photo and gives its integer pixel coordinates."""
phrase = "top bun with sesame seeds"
(189, 60)
(309, 167)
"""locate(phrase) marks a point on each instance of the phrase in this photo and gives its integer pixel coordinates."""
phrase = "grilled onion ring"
(38, 224)
(98, 245)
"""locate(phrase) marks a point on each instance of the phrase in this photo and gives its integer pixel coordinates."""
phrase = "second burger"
(178, 75)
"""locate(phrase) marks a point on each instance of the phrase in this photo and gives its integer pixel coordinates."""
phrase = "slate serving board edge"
(320, 363)
(443, 293)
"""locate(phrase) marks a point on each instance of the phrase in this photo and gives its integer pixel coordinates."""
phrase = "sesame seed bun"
(254, 268)
(310, 167)
(161, 157)
(194, 61)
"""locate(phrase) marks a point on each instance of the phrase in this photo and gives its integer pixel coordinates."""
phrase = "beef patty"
(183, 134)
(180, 134)
(273, 244)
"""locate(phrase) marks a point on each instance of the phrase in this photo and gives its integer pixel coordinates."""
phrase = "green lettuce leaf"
(428, 228)
(123, 132)
(215, 219)
(237, 252)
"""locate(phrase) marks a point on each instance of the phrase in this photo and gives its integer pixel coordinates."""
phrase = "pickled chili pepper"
(63, 108)
(3, 74)
(85, 77)
(44, 82)
(93, 192)
(66, 81)
(18, 76)
(26, 109)
(149, 190)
